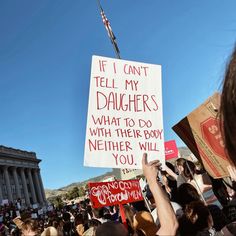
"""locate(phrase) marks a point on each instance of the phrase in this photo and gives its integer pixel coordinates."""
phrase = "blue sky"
(45, 58)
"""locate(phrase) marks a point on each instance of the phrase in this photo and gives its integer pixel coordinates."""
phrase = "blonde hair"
(50, 231)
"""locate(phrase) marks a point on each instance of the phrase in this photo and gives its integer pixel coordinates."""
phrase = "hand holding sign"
(168, 221)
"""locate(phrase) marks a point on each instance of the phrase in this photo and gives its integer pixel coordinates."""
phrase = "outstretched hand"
(150, 169)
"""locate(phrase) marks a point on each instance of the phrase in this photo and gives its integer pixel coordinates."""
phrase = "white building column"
(8, 184)
(38, 188)
(32, 190)
(41, 185)
(15, 176)
(26, 192)
(1, 196)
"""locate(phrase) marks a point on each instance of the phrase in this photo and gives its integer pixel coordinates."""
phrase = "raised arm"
(165, 212)
(171, 172)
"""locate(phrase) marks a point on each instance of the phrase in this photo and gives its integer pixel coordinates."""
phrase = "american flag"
(109, 31)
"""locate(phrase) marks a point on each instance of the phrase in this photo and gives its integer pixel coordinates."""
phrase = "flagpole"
(111, 35)
(99, 5)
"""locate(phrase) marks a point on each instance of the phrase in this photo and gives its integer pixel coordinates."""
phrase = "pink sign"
(171, 150)
(115, 192)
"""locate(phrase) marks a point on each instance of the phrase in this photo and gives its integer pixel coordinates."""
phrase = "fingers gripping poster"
(124, 114)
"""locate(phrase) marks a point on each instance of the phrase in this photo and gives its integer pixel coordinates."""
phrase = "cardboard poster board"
(171, 150)
(127, 174)
(114, 193)
(124, 114)
(200, 131)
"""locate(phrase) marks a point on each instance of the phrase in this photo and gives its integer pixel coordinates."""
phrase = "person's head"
(143, 222)
(196, 218)
(129, 214)
(179, 164)
(98, 212)
(219, 218)
(228, 108)
(29, 227)
(111, 228)
(186, 193)
(66, 216)
(139, 206)
(50, 231)
(94, 223)
(79, 219)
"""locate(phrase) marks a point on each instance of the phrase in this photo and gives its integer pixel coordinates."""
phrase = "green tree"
(57, 202)
(73, 193)
(81, 191)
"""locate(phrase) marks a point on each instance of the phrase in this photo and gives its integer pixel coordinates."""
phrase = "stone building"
(20, 177)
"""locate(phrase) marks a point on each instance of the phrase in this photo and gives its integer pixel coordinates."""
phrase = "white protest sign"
(5, 202)
(18, 205)
(124, 114)
(44, 209)
(34, 216)
(17, 213)
(142, 184)
(40, 212)
(130, 173)
(50, 208)
(35, 206)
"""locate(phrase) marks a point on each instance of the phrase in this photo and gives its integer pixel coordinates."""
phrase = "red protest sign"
(212, 136)
(114, 192)
(171, 150)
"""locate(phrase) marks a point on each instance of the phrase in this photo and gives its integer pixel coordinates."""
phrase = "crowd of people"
(182, 199)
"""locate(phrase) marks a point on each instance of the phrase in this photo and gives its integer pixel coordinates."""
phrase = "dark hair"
(30, 224)
(66, 216)
(228, 108)
(94, 223)
(170, 165)
(186, 193)
(219, 218)
(180, 161)
(98, 212)
(129, 213)
(139, 206)
(111, 228)
(195, 219)
(79, 219)
(172, 183)
(189, 169)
